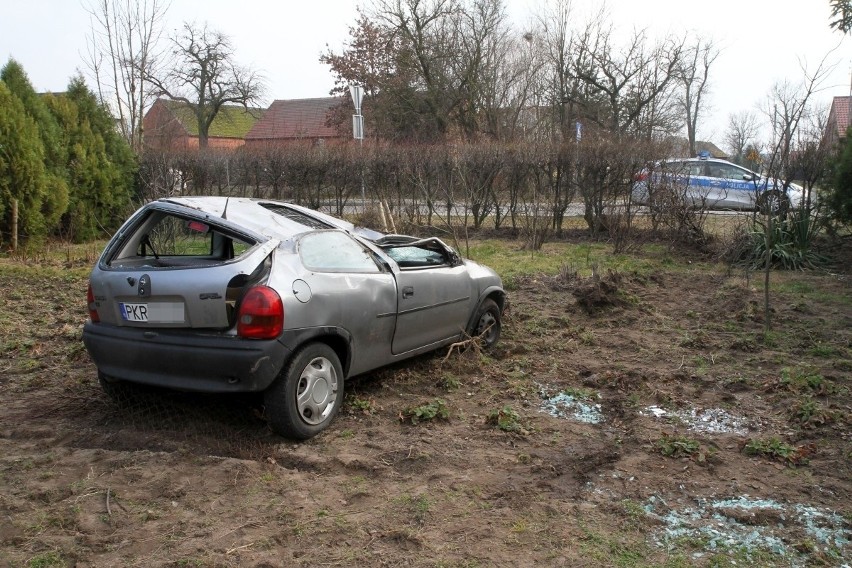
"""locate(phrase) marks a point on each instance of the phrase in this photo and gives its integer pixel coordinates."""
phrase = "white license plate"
(152, 312)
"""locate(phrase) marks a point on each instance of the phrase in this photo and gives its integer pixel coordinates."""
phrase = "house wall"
(838, 121)
(162, 131)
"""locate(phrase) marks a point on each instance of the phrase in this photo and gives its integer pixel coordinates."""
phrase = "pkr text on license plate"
(153, 312)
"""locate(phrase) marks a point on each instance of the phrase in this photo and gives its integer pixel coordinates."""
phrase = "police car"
(711, 183)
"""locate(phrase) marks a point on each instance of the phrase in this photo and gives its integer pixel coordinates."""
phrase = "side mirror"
(748, 177)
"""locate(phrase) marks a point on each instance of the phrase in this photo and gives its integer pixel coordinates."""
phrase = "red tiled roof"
(840, 107)
(297, 118)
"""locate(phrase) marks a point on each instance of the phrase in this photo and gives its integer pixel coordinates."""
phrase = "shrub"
(430, 411)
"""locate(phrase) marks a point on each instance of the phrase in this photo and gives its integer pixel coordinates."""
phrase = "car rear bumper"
(184, 361)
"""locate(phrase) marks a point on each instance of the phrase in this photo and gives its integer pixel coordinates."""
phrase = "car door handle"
(407, 292)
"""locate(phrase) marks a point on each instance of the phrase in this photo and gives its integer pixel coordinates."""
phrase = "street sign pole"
(357, 93)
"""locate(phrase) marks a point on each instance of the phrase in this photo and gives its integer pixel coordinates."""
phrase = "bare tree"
(513, 94)
(425, 33)
(625, 86)
(503, 77)
(742, 130)
(693, 75)
(787, 108)
(451, 54)
(561, 90)
(202, 73)
(481, 35)
(812, 152)
(121, 50)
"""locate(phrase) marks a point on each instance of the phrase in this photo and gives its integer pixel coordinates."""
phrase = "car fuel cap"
(302, 291)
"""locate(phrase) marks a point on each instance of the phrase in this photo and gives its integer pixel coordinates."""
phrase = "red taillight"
(93, 311)
(261, 314)
(641, 176)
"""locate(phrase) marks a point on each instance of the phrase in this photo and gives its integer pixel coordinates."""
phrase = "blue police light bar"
(703, 154)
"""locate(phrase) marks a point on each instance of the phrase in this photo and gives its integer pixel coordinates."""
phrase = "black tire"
(774, 203)
(486, 323)
(290, 409)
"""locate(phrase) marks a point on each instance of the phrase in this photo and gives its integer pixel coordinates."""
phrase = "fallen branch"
(474, 342)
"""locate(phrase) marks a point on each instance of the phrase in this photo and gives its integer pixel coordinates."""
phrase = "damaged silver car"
(216, 294)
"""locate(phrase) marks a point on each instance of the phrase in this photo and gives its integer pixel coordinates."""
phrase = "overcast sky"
(762, 41)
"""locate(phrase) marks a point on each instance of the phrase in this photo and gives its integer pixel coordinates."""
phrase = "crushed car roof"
(267, 217)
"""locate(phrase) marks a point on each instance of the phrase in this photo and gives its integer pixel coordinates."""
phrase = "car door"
(433, 295)
(689, 181)
(740, 187)
(345, 286)
(713, 186)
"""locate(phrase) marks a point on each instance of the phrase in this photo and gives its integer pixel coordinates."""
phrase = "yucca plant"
(791, 241)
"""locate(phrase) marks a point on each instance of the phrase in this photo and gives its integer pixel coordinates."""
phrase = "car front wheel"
(307, 395)
(774, 203)
(486, 323)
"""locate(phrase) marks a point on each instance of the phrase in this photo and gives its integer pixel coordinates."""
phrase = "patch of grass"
(506, 419)
(809, 412)
(689, 542)
(772, 339)
(520, 526)
(825, 351)
(747, 342)
(522, 388)
(50, 559)
(634, 513)
(437, 409)
(588, 338)
(807, 380)
(774, 448)
(677, 446)
(580, 393)
(449, 382)
(701, 364)
(821, 295)
(510, 260)
(418, 506)
(798, 288)
(744, 556)
(537, 327)
(604, 549)
(697, 338)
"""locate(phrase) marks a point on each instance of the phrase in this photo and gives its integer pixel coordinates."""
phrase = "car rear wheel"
(486, 323)
(307, 395)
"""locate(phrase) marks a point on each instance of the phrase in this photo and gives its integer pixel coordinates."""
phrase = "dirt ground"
(634, 420)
